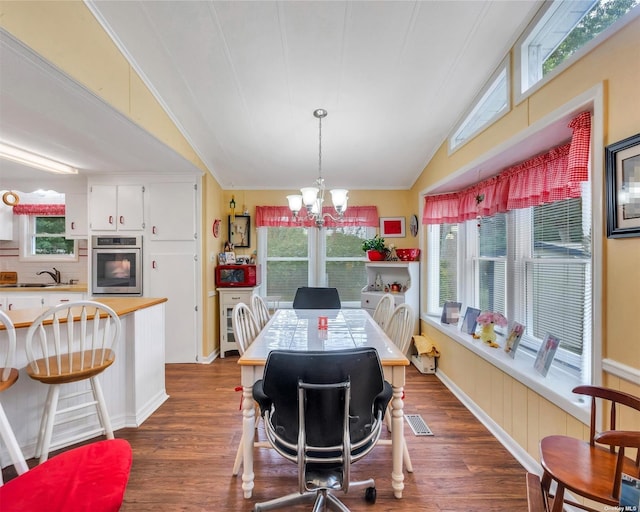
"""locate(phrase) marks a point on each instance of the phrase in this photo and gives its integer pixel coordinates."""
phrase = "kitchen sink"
(26, 285)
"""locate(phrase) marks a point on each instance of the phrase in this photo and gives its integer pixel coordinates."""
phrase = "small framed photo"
(470, 320)
(392, 227)
(513, 339)
(222, 258)
(230, 258)
(240, 230)
(451, 313)
(622, 161)
(546, 354)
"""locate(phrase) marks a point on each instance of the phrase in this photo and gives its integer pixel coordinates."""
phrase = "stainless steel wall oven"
(116, 265)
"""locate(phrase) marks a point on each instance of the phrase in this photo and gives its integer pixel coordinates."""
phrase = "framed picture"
(240, 230)
(622, 161)
(230, 258)
(470, 320)
(450, 313)
(545, 354)
(392, 227)
(222, 258)
(513, 339)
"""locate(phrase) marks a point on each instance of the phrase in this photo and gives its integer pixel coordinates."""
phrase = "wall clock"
(413, 225)
(216, 228)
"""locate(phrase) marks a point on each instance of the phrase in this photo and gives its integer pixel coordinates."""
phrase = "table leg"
(397, 441)
(248, 432)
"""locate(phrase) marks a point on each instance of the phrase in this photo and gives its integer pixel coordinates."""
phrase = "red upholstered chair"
(91, 478)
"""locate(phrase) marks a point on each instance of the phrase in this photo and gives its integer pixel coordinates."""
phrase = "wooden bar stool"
(77, 345)
(8, 377)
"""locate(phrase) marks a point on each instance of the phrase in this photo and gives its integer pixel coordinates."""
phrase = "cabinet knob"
(154, 230)
(110, 219)
(121, 219)
(73, 225)
(153, 264)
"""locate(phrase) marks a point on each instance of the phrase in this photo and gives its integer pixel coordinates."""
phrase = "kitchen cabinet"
(228, 298)
(381, 275)
(76, 216)
(6, 222)
(116, 207)
(23, 301)
(172, 274)
(55, 298)
(172, 215)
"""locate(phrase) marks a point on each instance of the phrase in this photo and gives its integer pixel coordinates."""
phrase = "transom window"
(564, 30)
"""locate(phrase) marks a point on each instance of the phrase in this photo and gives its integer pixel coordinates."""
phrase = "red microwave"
(237, 276)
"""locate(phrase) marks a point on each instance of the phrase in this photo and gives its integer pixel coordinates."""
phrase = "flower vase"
(488, 335)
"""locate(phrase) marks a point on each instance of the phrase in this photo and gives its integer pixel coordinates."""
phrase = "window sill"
(555, 387)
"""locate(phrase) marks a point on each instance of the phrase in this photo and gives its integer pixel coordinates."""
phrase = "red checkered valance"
(282, 217)
(552, 176)
(52, 210)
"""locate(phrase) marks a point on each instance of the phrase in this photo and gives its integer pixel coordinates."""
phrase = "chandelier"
(313, 197)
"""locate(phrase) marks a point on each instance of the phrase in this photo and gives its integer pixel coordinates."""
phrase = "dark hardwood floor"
(183, 454)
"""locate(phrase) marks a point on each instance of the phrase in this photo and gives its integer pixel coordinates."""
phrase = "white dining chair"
(78, 345)
(400, 330)
(245, 330)
(260, 310)
(245, 326)
(383, 310)
(8, 377)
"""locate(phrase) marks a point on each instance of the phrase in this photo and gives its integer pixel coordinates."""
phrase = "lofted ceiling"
(241, 81)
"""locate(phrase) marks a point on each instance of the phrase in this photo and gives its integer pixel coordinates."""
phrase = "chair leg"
(285, 502)
(46, 427)
(12, 445)
(103, 413)
(238, 462)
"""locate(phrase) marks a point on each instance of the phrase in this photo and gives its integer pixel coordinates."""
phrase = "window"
(44, 239)
(533, 265)
(562, 32)
(493, 102)
(302, 256)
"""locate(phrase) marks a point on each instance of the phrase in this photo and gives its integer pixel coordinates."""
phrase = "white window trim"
(478, 100)
(555, 392)
(518, 95)
(24, 253)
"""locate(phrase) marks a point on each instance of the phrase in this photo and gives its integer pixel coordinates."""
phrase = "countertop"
(80, 288)
(121, 305)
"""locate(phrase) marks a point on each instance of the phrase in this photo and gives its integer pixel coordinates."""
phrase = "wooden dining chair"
(245, 329)
(245, 326)
(8, 377)
(260, 310)
(383, 310)
(400, 330)
(536, 500)
(592, 469)
(67, 344)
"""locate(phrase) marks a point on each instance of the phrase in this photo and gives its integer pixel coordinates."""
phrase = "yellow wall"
(523, 414)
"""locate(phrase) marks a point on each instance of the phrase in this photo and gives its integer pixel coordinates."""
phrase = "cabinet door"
(130, 207)
(24, 301)
(228, 299)
(172, 211)
(102, 207)
(76, 225)
(53, 299)
(6, 222)
(173, 276)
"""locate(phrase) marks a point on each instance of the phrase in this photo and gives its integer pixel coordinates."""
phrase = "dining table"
(322, 329)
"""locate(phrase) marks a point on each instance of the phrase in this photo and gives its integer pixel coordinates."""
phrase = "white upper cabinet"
(116, 207)
(172, 211)
(76, 225)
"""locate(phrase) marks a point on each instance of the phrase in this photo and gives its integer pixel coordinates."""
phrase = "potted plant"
(375, 248)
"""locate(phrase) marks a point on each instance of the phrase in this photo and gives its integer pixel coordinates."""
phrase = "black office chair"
(318, 416)
(308, 297)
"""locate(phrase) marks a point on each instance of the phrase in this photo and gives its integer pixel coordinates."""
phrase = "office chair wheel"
(370, 495)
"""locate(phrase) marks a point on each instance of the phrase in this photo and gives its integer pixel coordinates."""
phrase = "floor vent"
(417, 424)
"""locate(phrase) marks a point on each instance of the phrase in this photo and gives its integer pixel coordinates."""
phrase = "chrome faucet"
(55, 275)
